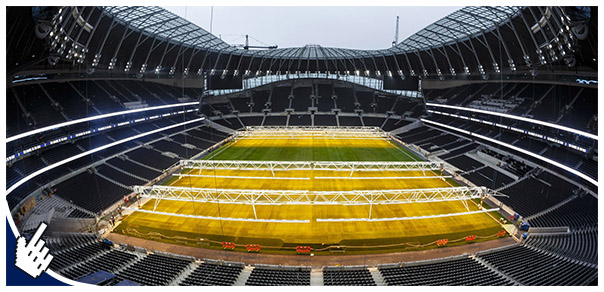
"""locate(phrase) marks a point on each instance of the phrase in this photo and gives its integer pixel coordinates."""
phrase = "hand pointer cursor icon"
(32, 257)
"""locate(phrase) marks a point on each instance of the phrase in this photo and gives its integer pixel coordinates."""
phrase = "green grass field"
(313, 149)
(281, 236)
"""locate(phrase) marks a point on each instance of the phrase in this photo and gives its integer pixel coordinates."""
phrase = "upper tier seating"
(99, 194)
(105, 96)
(535, 194)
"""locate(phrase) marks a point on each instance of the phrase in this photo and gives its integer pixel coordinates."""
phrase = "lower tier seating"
(208, 274)
(532, 267)
(459, 272)
(279, 277)
(347, 277)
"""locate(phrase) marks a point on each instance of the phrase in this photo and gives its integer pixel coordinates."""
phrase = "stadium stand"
(210, 274)
(111, 262)
(100, 194)
(457, 272)
(73, 255)
(154, 270)
(347, 277)
(532, 267)
(281, 276)
(580, 245)
(580, 212)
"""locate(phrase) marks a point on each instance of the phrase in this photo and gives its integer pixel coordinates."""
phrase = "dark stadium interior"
(484, 96)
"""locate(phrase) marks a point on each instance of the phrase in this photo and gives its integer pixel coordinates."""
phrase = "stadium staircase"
(219, 127)
(316, 277)
(513, 183)
(406, 128)
(140, 164)
(126, 173)
(184, 274)
(113, 181)
(90, 259)
(377, 277)
(495, 270)
(473, 170)
(138, 258)
(245, 274)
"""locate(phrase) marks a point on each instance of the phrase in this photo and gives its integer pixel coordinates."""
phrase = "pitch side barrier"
(312, 165)
(305, 197)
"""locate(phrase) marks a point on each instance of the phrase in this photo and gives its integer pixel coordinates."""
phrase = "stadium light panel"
(55, 126)
(563, 128)
(547, 160)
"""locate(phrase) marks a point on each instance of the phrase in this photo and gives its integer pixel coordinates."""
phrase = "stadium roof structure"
(473, 41)
(461, 24)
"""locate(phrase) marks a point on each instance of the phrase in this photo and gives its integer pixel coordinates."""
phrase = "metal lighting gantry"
(272, 166)
(305, 197)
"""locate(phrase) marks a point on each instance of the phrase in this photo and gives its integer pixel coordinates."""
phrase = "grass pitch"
(308, 148)
(182, 230)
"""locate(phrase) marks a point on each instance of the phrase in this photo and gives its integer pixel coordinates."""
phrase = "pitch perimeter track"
(315, 261)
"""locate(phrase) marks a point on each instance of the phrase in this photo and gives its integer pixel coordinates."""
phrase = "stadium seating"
(535, 194)
(392, 124)
(109, 262)
(77, 254)
(459, 150)
(301, 101)
(577, 213)
(347, 277)
(273, 276)
(260, 98)
(154, 270)
(275, 120)
(465, 163)
(211, 274)
(299, 120)
(488, 177)
(325, 120)
(350, 121)
(105, 96)
(151, 158)
(533, 267)
(99, 194)
(457, 272)
(580, 245)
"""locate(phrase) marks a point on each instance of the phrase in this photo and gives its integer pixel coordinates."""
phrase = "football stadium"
(155, 153)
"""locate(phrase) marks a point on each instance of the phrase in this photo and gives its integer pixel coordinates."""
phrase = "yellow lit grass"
(313, 232)
(423, 230)
(314, 182)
